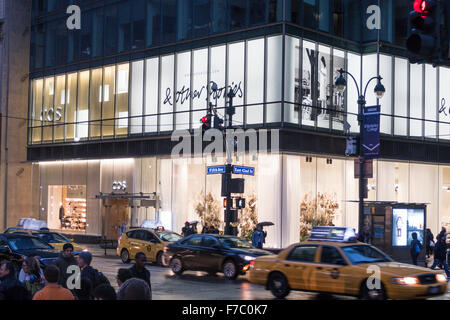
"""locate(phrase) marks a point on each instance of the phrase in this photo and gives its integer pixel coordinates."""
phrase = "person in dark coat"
(138, 270)
(96, 277)
(440, 254)
(429, 243)
(258, 237)
(415, 248)
(65, 260)
(8, 279)
(186, 230)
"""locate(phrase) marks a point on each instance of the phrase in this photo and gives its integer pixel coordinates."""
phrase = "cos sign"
(52, 114)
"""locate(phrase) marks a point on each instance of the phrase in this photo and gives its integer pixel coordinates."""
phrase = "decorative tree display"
(316, 211)
(208, 210)
(248, 218)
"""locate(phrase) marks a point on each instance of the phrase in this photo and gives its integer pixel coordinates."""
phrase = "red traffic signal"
(205, 120)
(423, 6)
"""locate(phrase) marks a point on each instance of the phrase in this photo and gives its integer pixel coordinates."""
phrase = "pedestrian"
(429, 243)
(415, 248)
(258, 237)
(440, 254)
(85, 291)
(22, 274)
(96, 277)
(205, 228)
(8, 278)
(123, 227)
(134, 289)
(186, 230)
(32, 280)
(138, 270)
(53, 290)
(123, 275)
(64, 261)
(105, 292)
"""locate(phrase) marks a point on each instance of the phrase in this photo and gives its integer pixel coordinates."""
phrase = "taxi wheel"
(125, 256)
(230, 270)
(374, 294)
(159, 259)
(278, 285)
(176, 265)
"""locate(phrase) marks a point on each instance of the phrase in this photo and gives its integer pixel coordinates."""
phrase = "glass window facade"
(307, 186)
(172, 92)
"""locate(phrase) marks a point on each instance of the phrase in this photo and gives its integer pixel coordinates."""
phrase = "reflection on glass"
(82, 128)
(137, 96)
(38, 87)
(58, 111)
(95, 107)
(109, 84)
(47, 110)
(122, 99)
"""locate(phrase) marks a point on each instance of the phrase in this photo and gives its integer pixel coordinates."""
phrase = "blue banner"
(244, 170)
(371, 132)
(216, 170)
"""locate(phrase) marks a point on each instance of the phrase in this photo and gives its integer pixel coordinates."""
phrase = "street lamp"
(341, 85)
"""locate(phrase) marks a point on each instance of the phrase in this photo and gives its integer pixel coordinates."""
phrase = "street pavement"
(197, 285)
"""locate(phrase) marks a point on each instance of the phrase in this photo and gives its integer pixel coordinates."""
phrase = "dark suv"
(212, 253)
(16, 247)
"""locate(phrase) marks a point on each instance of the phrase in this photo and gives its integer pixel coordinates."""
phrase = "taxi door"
(299, 267)
(136, 243)
(149, 243)
(331, 272)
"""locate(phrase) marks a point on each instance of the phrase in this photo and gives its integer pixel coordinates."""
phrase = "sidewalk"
(98, 251)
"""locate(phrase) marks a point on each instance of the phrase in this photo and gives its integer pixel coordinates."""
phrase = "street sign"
(371, 135)
(244, 170)
(368, 169)
(216, 170)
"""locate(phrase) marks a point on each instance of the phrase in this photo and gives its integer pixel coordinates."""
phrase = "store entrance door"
(114, 212)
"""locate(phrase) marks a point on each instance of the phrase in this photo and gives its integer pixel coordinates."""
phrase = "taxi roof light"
(335, 234)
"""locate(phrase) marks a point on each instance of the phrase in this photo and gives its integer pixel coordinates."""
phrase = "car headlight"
(441, 278)
(247, 258)
(408, 281)
(85, 250)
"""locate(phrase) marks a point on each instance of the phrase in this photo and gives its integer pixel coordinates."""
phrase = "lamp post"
(341, 85)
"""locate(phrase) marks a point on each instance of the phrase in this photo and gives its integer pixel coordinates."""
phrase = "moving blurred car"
(148, 241)
(328, 265)
(56, 239)
(212, 253)
(17, 247)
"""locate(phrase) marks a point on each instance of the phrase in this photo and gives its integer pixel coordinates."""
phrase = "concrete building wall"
(15, 172)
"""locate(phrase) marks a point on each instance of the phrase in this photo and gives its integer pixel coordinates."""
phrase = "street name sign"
(216, 170)
(244, 170)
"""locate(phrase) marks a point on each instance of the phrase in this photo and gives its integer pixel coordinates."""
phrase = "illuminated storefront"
(105, 98)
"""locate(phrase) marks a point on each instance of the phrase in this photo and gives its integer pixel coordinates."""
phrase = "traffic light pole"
(230, 111)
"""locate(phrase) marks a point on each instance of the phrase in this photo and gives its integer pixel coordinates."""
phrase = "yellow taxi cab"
(55, 239)
(333, 262)
(148, 241)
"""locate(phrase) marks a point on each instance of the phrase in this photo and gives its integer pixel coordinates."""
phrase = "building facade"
(105, 99)
(15, 171)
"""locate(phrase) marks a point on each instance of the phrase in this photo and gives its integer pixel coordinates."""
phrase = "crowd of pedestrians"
(59, 281)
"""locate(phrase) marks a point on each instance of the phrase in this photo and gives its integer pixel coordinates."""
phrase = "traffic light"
(218, 123)
(206, 122)
(424, 31)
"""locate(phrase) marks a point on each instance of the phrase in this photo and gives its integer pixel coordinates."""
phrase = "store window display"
(67, 208)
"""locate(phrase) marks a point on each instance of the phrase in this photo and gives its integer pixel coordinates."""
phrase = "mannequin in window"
(61, 215)
(323, 81)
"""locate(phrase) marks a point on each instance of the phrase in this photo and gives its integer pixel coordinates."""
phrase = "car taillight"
(252, 265)
(165, 249)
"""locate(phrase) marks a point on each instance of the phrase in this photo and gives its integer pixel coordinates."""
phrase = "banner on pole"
(371, 132)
